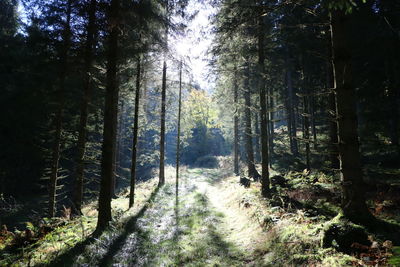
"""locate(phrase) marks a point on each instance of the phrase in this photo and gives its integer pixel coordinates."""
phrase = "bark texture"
(110, 116)
(353, 188)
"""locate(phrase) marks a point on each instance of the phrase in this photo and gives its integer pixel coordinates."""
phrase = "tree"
(110, 116)
(251, 168)
(87, 88)
(58, 120)
(178, 136)
(235, 122)
(135, 135)
(263, 108)
(353, 188)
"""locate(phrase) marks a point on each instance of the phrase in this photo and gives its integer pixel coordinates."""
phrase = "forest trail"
(201, 227)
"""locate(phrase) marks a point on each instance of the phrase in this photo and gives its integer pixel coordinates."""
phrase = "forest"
(199, 133)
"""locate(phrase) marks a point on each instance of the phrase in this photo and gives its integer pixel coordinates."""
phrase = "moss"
(341, 234)
(395, 259)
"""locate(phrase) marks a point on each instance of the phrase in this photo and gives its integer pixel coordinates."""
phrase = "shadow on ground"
(68, 257)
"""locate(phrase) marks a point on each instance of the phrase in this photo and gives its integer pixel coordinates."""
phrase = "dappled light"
(199, 133)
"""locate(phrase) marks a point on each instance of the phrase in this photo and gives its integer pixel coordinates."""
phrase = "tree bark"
(265, 183)
(162, 131)
(333, 131)
(135, 135)
(178, 137)
(59, 113)
(87, 88)
(353, 188)
(271, 125)
(257, 137)
(292, 127)
(117, 147)
(110, 116)
(252, 171)
(236, 123)
(306, 120)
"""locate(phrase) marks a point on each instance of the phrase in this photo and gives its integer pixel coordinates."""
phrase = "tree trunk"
(313, 121)
(271, 125)
(306, 117)
(162, 132)
(257, 137)
(178, 137)
(333, 131)
(135, 135)
(110, 116)
(292, 127)
(236, 123)
(252, 172)
(117, 147)
(265, 183)
(353, 188)
(59, 113)
(87, 88)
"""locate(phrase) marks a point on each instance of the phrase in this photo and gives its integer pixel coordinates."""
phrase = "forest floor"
(212, 221)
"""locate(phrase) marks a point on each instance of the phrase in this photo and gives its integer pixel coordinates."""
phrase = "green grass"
(68, 234)
(395, 259)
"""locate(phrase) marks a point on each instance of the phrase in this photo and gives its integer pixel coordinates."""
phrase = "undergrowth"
(31, 247)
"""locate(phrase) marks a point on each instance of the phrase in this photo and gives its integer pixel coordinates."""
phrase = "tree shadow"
(385, 230)
(129, 227)
(67, 258)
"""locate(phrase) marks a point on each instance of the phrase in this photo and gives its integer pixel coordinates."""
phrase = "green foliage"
(346, 5)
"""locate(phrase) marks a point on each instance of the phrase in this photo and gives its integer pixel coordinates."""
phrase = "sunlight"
(193, 46)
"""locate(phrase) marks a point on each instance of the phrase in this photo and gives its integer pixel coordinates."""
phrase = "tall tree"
(290, 105)
(135, 134)
(263, 106)
(236, 121)
(163, 103)
(110, 116)
(87, 88)
(162, 131)
(178, 137)
(251, 168)
(333, 134)
(353, 188)
(58, 120)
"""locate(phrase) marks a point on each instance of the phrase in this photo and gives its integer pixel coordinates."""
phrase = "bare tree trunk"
(87, 88)
(236, 123)
(312, 121)
(110, 116)
(333, 130)
(271, 125)
(178, 137)
(353, 188)
(257, 137)
(252, 172)
(265, 183)
(306, 120)
(292, 127)
(135, 135)
(59, 113)
(162, 132)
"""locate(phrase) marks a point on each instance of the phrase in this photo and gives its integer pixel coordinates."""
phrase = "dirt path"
(200, 227)
(236, 225)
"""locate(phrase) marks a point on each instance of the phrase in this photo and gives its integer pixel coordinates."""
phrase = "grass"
(68, 233)
(288, 237)
(213, 222)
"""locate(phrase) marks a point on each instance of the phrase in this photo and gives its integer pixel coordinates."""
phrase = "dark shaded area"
(68, 257)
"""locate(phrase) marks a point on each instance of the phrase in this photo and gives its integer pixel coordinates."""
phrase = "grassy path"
(189, 230)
